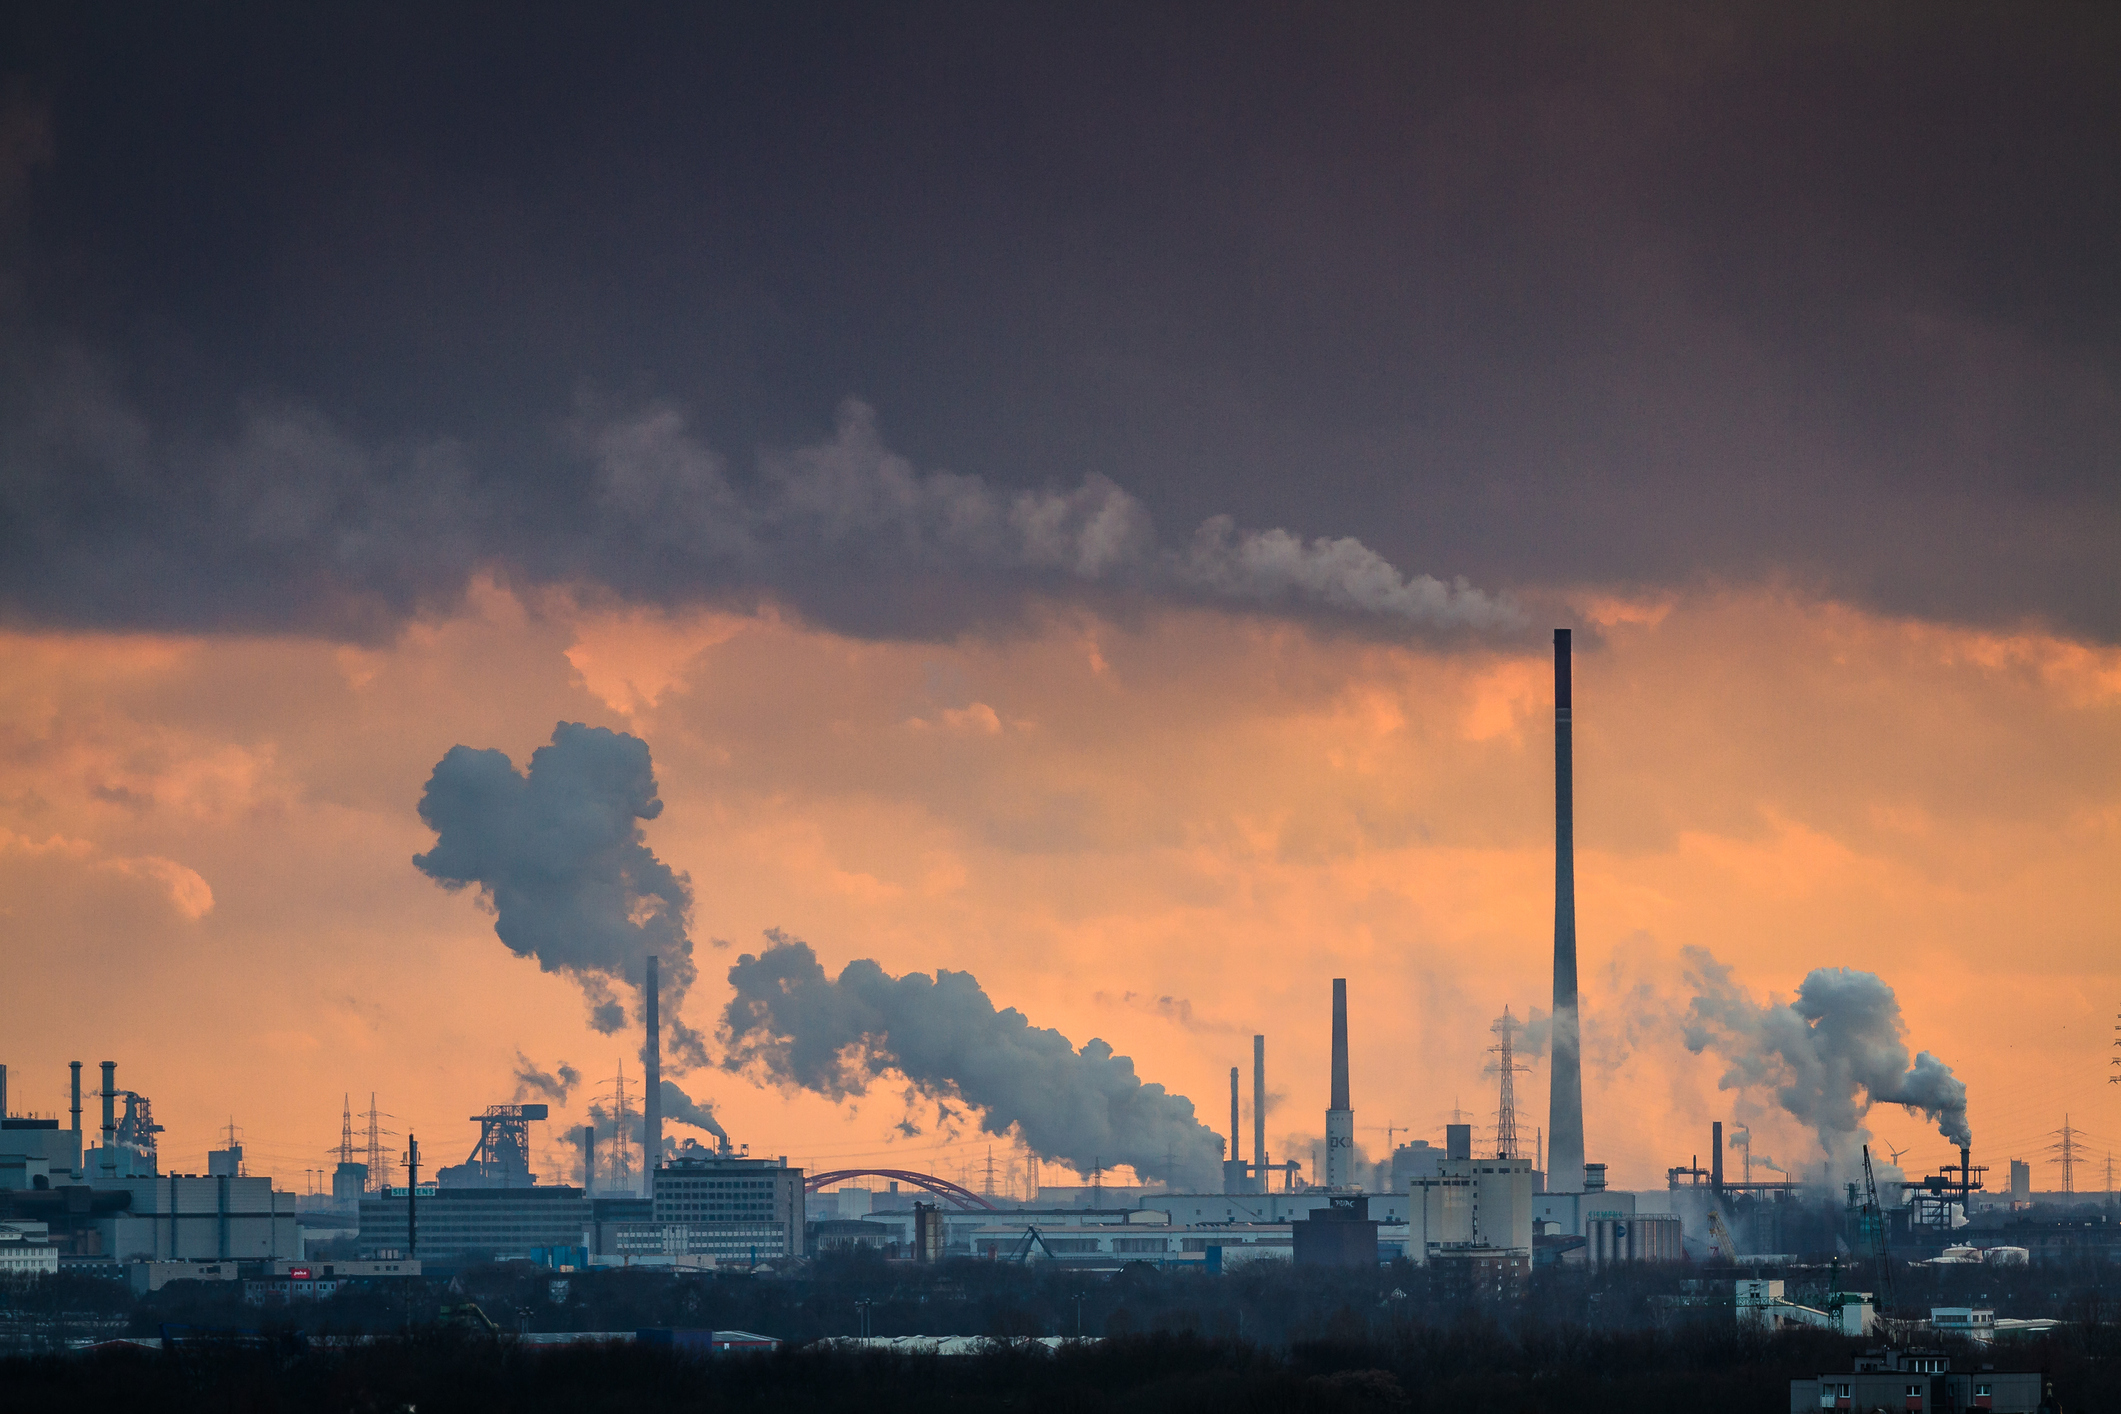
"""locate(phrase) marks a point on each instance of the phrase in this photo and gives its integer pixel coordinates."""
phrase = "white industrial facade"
(185, 1217)
(725, 1207)
(1473, 1203)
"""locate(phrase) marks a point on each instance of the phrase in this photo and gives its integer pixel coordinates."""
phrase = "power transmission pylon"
(2065, 1151)
(346, 1131)
(1504, 1051)
(378, 1175)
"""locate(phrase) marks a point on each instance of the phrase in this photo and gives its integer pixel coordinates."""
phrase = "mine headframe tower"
(504, 1142)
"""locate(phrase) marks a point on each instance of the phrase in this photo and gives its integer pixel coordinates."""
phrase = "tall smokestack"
(1259, 1112)
(77, 1097)
(1565, 1122)
(1234, 1167)
(652, 1107)
(1340, 1119)
(110, 1117)
(1716, 1156)
(589, 1159)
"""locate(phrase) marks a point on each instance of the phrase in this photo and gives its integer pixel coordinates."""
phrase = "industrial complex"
(1483, 1216)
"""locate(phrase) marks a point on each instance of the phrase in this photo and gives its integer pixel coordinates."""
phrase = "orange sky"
(205, 857)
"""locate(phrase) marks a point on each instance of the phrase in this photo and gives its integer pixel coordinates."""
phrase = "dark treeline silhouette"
(1467, 1367)
(1263, 1336)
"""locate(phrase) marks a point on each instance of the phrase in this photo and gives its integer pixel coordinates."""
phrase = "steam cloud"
(1830, 1054)
(792, 1023)
(558, 853)
(532, 1081)
(681, 1107)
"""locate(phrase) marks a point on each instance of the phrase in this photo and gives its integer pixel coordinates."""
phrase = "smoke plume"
(849, 508)
(1829, 1054)
(559, 855)
(681, 1108)
(530, 1081)
(794, 1025)
(291, 522)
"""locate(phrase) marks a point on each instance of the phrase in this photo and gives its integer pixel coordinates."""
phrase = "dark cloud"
(559, 853)
(791, 1023)
(297, 313)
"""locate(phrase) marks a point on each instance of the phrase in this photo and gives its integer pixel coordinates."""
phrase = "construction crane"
(1720, 1237)
(1874, 1220)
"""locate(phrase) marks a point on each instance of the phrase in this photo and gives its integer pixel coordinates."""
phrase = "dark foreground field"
(1265, 1337)
(450, 1372)
(1466, 1368)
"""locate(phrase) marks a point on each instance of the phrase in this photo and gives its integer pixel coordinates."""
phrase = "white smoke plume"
(792, 1024)
(1828, 1055)
(558, 853)
(681, 1108)
(532, 1082)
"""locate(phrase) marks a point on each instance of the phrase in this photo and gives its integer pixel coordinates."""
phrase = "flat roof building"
(473, 1224)
(723, 1206)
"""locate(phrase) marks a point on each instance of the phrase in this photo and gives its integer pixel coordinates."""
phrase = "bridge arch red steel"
(941, 1187)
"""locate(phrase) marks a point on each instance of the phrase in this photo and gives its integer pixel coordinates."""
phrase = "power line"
(2065, 1150)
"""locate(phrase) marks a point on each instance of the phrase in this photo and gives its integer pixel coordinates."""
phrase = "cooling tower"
(1340, 1119)
(1565, 1120)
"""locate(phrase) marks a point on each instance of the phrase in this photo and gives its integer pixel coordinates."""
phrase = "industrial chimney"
(1259, 1113)
(77, 1101)
(1234, 1164)
(110, 1118)
(1340, 1119)
(1565, 1123)
(589, 1160)
(652, 1060)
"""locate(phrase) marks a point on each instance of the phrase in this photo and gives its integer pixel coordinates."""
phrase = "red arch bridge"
(941, 1187)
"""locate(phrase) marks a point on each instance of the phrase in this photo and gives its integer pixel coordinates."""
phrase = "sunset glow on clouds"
(1167, 831)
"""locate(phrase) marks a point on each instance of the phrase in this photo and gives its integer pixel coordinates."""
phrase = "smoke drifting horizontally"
(794, 1025)
(681, 1108)
(559, 854)
(1829, 1054)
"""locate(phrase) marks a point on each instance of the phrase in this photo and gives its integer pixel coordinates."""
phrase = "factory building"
(186, 1217)
(471, 1224)
(1481, 1206)
(109, 1202)
(26, 1250)
(1110, 1240)
(729, 1207)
